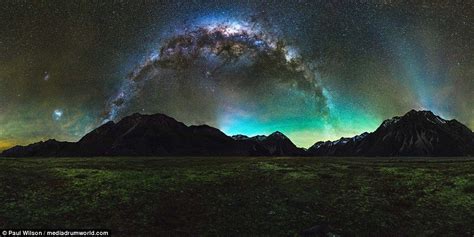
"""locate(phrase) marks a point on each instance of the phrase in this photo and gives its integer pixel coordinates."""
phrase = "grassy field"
(239, 196)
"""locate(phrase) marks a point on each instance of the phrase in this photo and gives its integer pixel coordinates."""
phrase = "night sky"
(314, 70)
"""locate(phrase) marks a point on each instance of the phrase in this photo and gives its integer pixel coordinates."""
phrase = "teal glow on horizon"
(304, 132)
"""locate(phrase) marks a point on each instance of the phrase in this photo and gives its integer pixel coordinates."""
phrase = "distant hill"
(417, 133)
(277, 144)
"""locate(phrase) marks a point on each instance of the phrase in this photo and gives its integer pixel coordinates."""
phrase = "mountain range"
(417, 133)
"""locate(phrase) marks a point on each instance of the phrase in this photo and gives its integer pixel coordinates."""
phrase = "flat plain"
(149, 196)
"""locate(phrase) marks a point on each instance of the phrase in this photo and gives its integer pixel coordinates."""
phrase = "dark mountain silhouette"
(145, 135)
(276, 143)
(44, 148)
(417, 133)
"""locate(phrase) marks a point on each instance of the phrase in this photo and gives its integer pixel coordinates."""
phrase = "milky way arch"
(219, 72)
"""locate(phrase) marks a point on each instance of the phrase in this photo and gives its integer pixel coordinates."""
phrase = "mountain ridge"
(417, 133)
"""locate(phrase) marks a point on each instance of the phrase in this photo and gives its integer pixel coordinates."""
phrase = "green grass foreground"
(239, 196)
